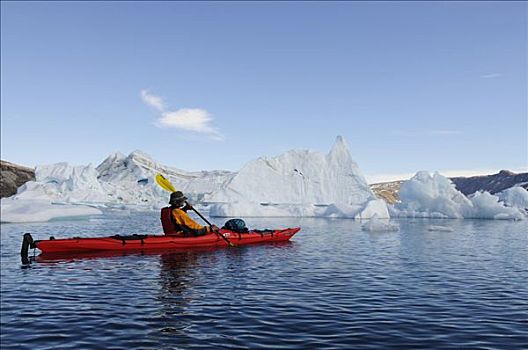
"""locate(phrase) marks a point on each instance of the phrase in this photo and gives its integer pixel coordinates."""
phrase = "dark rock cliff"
(492, 183)
(12, 176)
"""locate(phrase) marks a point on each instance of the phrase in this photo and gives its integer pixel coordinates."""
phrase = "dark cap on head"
(177, 198)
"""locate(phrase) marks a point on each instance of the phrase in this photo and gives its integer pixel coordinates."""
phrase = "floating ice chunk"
(515, 197)
(432, 196)
(35, 210)
(436, 197)
(440, 228)
(376, 224)
(376, 207)
(487, 206)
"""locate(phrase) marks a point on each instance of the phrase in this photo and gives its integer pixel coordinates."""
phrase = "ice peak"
(340, 141)
(299, 176)
(340, 144)
(340, 149)
(139, 154)
(116, 155)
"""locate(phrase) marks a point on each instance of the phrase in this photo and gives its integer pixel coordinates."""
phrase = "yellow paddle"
(164, 183)
(167, 186)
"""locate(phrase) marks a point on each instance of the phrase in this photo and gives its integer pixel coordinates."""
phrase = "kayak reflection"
(74, 256)
(177, 272)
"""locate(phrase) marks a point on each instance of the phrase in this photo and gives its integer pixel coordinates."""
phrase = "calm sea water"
(333, 286)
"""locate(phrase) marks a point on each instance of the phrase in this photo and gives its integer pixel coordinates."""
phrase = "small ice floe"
(379, 225)
(41, 210)
(439, 228)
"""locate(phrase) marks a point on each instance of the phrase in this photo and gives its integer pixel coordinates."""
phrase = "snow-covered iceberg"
(63, 190)
(132, 179)
(299, 183)
(435, 196)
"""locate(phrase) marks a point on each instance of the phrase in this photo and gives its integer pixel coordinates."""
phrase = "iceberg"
(117, 181)
(435, 196)
(120, 182)
(299, 183)
(516, 196)
(132, 179)
(36, 210)
(63, 182)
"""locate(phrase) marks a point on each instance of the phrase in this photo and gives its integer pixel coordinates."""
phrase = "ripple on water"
(334, 286)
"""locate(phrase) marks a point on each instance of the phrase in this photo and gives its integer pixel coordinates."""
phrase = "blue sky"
(410, 85)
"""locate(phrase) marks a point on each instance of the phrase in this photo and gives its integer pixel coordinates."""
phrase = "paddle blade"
(164, 183)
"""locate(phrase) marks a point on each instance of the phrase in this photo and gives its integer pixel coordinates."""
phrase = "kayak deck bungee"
(160, 242)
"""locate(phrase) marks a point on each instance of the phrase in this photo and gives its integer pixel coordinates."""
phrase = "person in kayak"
(181, 222)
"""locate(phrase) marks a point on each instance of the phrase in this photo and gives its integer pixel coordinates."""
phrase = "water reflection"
(177, 271)
(177, 276)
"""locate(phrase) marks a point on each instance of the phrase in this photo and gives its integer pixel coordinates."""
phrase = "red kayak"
(152, 242)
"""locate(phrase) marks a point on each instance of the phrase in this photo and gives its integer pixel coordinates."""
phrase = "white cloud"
(196, 120)
(152, 100)
(491, 76)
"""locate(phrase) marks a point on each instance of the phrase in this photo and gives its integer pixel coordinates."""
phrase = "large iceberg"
(299, 183)
(435, 196)
(63, 190)
(132, 178)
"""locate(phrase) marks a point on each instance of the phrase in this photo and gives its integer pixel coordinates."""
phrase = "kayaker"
(181, 221)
